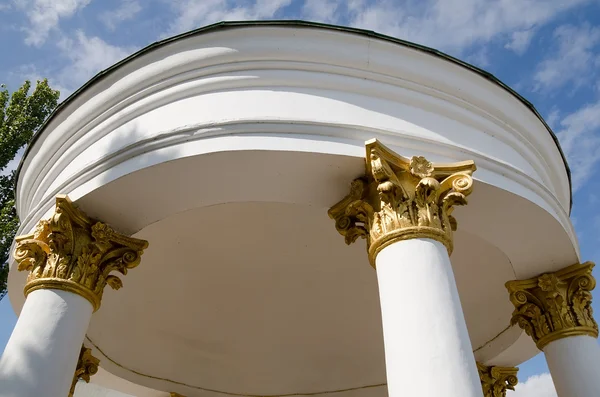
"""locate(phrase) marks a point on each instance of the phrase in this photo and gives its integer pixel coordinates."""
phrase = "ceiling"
(266, 299)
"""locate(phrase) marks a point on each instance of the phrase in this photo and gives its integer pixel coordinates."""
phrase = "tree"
(21, 115)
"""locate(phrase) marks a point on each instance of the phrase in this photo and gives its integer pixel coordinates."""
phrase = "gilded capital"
(74, 253)
(555, 305)
(401, 198)
(495, 381)
(87, 365)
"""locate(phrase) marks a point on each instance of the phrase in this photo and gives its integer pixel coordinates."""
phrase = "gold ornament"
(400, 199)
(87, 365)
(495, 381)
(555, 305)
(74, 253)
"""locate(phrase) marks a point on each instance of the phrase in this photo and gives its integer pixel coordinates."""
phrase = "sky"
(547, 50)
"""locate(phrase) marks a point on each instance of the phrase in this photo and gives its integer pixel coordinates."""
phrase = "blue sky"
(548, 50)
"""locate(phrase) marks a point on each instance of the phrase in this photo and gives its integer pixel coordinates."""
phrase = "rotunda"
(286, 203)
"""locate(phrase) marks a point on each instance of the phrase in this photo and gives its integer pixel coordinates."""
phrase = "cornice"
(289, 24)
(97, 122)
(333, 131)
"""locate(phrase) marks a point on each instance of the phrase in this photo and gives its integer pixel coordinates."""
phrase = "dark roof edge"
(299, 23)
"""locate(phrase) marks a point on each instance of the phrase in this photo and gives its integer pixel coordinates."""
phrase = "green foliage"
(21, 114)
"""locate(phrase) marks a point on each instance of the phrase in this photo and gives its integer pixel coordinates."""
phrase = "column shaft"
(573, 364)
(427, 346)
(41, 355)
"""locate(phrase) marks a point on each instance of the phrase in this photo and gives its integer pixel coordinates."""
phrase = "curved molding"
(297, 24)
(227, 60)
(335, 132)
(264, 74)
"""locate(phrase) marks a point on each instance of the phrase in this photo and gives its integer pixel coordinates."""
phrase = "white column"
(555, 310)
(41, 355)
(574, 364)
(428, 352)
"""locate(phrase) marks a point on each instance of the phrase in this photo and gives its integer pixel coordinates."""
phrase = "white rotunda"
(286, 203)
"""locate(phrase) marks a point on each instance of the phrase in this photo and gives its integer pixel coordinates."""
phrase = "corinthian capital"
(495, 381)
(87, 365)
(401, 198)
(74, 253)
(555, 305)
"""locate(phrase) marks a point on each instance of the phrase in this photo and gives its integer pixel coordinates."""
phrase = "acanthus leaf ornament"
(555, 305)
(72, 252)
(402, 198)
(87, 365)
(495, 381)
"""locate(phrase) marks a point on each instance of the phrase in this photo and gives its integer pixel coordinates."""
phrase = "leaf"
(114, 282)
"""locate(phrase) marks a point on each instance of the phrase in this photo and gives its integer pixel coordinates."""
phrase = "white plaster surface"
(41, 354)
(574, 364)
(106, 384)
(91, 390)
(330, 88)
(427, 347)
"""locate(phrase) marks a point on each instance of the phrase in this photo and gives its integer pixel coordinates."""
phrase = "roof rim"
(296, 23)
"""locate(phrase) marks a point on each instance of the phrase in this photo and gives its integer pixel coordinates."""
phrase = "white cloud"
(535, 386)
(87, 56)
(479, 58)
(45, 15)
(32, 73)
(451, 25)
(321, 10)
(126, 11)
(580, 139)
(519, 41)
(553, 118)
(191, 14)
(574, 59)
